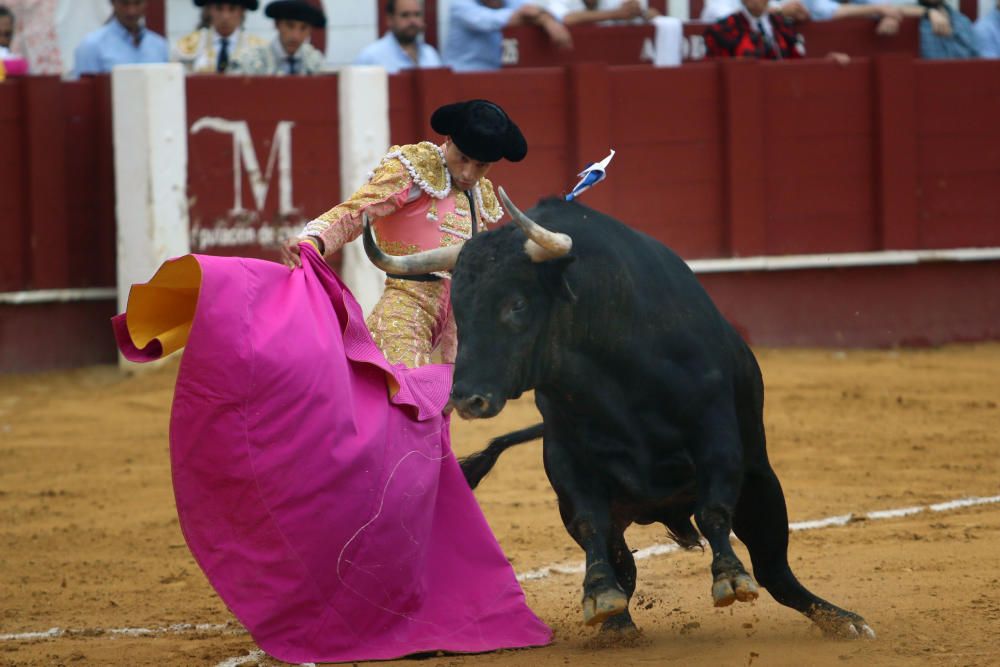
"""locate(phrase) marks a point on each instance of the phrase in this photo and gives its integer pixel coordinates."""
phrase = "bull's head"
(507, 286)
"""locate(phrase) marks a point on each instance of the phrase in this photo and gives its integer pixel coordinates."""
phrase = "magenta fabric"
(334, 522)
(15, 66)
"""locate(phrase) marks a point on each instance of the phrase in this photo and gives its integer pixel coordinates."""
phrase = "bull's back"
(662, 333)
(644, 279)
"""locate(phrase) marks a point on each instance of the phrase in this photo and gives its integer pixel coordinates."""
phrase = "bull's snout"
(471, 405)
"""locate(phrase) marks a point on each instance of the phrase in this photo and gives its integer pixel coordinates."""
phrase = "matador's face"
(465, 171)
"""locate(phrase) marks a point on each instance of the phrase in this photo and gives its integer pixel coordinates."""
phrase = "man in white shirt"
(575, 12)
(714, 10)
(215, 48)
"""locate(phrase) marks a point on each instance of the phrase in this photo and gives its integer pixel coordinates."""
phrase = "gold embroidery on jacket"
(489, 205)
(410, 320)
(457, 225)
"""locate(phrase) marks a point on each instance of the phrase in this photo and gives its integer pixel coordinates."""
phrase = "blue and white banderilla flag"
(591, 176)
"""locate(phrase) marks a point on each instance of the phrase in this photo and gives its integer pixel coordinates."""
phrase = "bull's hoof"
(842, 624)
(620, 625)
(727, 589)
(603, 604)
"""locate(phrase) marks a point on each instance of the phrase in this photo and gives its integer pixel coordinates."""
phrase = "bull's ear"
(556, 278)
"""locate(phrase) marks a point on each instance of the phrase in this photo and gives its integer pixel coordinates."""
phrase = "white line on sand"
(531, 575)
(175, 629)
(839, 520)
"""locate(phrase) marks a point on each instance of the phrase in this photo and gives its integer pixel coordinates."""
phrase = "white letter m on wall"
(244, 156)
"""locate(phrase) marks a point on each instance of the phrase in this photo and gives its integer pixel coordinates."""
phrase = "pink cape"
(333, 520)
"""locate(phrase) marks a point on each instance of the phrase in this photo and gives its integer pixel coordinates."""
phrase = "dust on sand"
(89, 540)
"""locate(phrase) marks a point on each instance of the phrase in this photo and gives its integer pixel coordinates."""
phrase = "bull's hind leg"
(761, 522)
(719, 461)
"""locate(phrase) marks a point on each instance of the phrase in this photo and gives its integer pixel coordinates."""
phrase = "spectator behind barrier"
(290, 53)
(575, 12)
(35, 36)
(212, 47)
(944, 32)
(10, 63)
(718, 9)
(889, 16)
(475, 41)
(123, 40)
(755, 32)
(987, 32)
(6, 31)
(402, 46)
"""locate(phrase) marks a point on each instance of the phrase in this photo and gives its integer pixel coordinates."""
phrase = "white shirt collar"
(233, 38)
(282, 55)
(763, 18)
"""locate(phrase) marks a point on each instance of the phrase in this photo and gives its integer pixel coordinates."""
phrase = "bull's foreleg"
(624, 565)
(590, 525)
(587, 516)
(719, 462)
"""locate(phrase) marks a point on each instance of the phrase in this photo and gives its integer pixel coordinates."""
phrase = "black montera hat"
(481, 130)
(251, 5)
(296, 10)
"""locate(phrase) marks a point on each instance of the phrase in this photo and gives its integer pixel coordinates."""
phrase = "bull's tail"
(478, 465)
(681, 530)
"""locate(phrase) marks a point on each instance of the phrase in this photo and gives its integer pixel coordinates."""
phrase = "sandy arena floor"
(89, 540)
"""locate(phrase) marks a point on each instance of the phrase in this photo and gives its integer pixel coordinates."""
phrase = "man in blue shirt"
(402, 47)
(123, 40)
(987, 30)
(945, 33)
(475, 41)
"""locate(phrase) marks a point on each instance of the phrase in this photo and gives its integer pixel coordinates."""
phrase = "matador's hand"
(290, 253)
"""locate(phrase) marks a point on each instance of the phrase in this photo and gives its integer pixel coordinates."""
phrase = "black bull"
(652, 403)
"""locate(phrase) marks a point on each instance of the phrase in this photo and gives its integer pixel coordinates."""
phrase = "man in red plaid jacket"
(753, 32)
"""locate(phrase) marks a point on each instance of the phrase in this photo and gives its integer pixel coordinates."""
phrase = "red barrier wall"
(919, 305)
(715, 159)
(57, 176)
(57, 224)
(742, 158)
(957, 152)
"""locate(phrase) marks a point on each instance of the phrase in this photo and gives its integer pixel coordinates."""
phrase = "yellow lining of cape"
(163, 309)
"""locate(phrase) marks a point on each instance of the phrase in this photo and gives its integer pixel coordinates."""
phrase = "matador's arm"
(385, 192)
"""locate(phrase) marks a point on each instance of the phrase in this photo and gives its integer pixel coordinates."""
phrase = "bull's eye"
(513, 312)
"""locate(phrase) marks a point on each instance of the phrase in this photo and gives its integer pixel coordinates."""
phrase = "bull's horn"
(542, 244)
(428, 261)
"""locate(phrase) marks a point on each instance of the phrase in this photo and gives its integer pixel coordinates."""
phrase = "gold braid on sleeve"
(378, 197)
